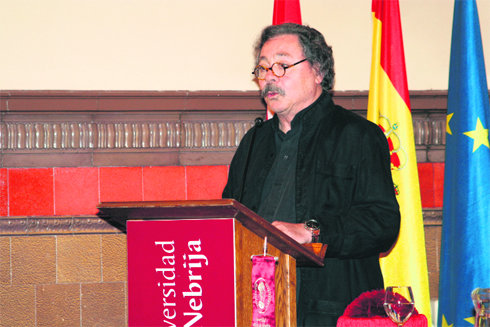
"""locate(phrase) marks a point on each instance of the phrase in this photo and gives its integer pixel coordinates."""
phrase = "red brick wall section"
(431, 179)
(77, 191)
(3, 193)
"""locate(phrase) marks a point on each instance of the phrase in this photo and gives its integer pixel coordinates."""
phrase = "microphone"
(258, 123)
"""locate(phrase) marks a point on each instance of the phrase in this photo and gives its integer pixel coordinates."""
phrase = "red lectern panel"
(181, 272)
(189, 262)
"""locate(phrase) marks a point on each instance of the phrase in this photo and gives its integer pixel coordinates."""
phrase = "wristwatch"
(313, 226)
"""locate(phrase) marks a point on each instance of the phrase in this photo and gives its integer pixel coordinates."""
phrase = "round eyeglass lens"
(260, 72)
(278, 69)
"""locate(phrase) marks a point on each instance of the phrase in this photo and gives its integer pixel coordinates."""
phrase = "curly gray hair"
(315, 49)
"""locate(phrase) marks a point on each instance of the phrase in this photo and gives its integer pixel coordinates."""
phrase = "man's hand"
(295, 231)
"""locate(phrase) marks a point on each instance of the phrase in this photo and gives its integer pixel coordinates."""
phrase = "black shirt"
(278, 194)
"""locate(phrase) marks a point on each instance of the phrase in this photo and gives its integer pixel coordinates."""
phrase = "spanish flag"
(389, 107)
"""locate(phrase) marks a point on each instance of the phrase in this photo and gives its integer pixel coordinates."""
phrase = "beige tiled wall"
(81, 280)
(63, 280)
(433, 249)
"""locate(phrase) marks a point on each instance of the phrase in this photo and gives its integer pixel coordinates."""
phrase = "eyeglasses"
(278, 69)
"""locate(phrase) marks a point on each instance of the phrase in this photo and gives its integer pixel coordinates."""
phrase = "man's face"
(299, 87)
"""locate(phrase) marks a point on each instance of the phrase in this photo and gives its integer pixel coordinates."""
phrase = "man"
(315, 164)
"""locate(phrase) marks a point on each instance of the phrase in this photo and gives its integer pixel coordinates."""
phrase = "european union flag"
(465, 252)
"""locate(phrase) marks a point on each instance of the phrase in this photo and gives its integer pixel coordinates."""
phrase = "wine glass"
(399, 303)
(481, 301)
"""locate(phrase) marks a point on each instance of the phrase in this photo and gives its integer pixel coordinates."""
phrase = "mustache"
(272, 88)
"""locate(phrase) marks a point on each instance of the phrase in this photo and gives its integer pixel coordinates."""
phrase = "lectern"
(189, 262)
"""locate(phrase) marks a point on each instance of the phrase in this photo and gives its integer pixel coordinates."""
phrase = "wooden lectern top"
(117, 213)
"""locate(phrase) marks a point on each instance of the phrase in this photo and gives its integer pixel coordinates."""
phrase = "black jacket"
(343, 179)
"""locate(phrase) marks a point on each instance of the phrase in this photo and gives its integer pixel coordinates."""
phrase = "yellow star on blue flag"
(479, 135)
(448, 119)
(444, 322)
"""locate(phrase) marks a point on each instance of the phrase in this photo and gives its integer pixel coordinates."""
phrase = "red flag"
(286, 11)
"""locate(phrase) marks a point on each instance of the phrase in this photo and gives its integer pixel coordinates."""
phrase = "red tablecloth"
(418, 320)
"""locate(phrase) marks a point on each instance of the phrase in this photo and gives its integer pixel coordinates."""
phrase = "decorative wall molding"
(120, 135)
(59, 225)
(54, 225)
(117, 128)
